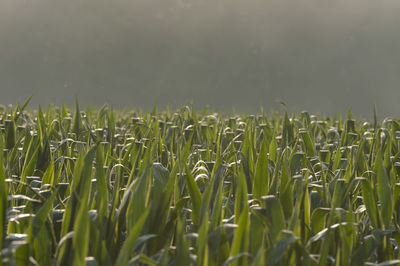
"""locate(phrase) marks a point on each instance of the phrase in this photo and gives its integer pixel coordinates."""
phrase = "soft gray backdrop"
(323, 56)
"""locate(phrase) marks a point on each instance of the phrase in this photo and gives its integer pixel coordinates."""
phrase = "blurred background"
(320, 56)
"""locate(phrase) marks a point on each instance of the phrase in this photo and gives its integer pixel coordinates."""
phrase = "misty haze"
(322, 56)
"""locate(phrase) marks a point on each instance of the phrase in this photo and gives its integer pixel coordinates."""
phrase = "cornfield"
(105, 187)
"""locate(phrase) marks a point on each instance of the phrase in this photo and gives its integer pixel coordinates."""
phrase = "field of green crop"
(101, 187)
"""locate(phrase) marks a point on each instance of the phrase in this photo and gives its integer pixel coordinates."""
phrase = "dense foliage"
(100, 187)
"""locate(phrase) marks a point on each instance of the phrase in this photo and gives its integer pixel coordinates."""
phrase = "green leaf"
(217, 197)
(274, 215)
(369, 201)
(40, 217)
(10, 134)
(202, 245)
(384, 191)
(195, 196)
(241, 196)
(126, 249)
(286, 240)
(77, 122)
(261, 177)
(102, 190)
(29, 168)
(234, 260)
(318, 218)
(48, 176)
(138, 203)
(310, 149)
(240, 240)
(182, 251)
(80, 240)
(272, 149)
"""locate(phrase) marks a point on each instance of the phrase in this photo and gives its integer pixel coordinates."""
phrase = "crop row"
(100, 187)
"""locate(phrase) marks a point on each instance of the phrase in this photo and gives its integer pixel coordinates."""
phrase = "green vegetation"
(100, 187)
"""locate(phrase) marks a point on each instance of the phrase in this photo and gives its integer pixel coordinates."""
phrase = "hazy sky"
(323, 56)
